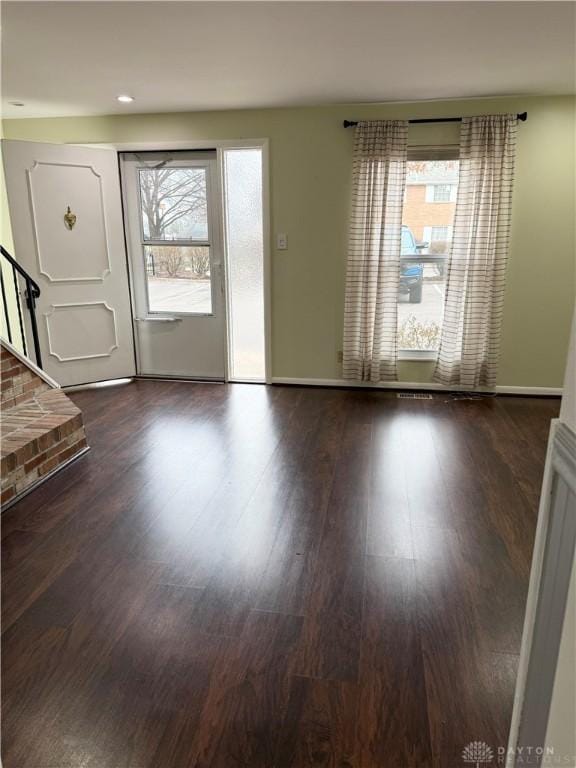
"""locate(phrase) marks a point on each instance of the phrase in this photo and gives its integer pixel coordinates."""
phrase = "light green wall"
(9, 288)
(310, 169)
(5, 229)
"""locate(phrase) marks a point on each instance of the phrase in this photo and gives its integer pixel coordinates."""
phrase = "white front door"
(66, 216)
(173, 225)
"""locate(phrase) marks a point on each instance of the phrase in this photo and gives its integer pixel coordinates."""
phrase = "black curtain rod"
(351, 123)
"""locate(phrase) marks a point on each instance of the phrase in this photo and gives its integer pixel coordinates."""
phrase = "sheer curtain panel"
(373, 271)
(470, 341)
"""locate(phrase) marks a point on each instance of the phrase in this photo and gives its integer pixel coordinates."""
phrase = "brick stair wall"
(40, 430)
(18, 382)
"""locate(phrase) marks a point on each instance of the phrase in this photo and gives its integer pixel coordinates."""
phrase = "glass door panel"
(178, 279)
(245, 263)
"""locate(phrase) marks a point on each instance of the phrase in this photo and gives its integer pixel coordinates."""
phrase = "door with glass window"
(173, 226)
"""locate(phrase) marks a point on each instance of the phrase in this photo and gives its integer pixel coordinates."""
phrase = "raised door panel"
(71, 243)
(81, 331)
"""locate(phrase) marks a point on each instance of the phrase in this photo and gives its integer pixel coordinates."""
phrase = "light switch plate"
(282, 241)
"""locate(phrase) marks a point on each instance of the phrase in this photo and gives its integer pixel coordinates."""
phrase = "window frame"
(182, 164)
(428, 152)
(431, 192)
(183, 241)
(435, 190)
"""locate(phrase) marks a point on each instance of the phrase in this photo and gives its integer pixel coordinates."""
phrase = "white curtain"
(470, 341)
(373, 271)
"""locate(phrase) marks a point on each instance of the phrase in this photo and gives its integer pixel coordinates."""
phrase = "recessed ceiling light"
(16, 103)
(125, 99)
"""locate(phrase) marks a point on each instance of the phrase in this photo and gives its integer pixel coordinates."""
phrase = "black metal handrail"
(31, 293)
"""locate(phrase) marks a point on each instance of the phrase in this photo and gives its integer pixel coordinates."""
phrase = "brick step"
(41, 428)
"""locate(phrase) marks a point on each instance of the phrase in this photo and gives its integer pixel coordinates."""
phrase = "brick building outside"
(430, 201)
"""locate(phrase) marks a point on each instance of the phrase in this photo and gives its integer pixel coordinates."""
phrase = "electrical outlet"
(282, 241)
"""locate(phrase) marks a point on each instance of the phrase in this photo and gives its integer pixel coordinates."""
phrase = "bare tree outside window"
(173, 202)
(175, 238)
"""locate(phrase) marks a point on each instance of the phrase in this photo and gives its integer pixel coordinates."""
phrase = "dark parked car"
(411, 275)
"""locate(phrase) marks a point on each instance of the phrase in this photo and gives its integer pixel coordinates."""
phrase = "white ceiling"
(73, 58)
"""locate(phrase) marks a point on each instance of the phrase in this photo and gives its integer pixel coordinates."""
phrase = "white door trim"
(552, 563)
(219, 145)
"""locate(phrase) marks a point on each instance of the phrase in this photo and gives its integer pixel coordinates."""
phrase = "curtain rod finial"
(523, 116)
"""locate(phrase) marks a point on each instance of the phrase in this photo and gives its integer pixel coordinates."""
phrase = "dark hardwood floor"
(271, 577)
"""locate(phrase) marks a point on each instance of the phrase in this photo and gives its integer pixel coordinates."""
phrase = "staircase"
(41, 430)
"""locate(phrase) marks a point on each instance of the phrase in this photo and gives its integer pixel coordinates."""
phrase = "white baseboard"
(534, 391)
(98, 384)
(393, 385)
(417, 385)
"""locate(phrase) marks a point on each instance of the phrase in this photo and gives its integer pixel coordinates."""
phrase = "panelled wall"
(310, 170)
(561, 731)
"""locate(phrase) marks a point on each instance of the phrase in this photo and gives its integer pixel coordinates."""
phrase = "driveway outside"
(179, 295)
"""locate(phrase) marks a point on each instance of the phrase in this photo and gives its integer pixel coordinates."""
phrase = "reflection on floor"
(242, 575)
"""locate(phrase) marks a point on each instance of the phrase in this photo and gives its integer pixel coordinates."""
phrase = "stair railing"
(31, 293)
